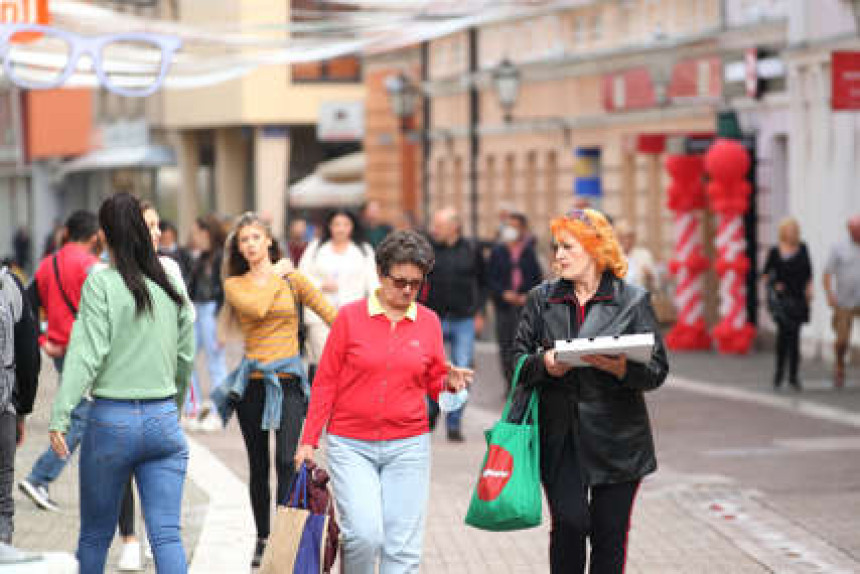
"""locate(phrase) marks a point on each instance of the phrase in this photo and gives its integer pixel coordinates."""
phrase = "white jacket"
(354, 270)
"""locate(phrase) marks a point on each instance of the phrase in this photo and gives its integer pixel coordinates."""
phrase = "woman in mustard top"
(270, 388)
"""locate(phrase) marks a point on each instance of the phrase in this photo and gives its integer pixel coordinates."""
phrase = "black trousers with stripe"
(600, 513)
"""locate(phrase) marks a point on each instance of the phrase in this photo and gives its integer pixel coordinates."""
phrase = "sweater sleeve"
(251, 299)
(313, 297)
(88, 347)
(325, 388)
(437, 370)
(185, 351)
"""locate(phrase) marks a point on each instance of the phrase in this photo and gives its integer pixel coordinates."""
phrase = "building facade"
(606, 91)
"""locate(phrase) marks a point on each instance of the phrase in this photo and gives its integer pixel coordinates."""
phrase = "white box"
(637, 348)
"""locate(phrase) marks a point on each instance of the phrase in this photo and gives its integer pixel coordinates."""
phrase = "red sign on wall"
(24, 12)
(845, 71)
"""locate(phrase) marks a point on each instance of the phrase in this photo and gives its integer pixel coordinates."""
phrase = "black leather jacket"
(606, 417)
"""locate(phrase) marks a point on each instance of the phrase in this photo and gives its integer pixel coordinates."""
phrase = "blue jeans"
(49, 466)
(459, 335)
(205, 331)
(127, 438)
(381, 490)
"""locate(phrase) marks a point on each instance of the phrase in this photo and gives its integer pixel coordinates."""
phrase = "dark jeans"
(139, 438)
(250, 414)
(8, 431)
(507, 319)
(787, 350)
(604, 517)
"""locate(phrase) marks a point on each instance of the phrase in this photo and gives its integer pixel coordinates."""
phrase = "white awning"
(144, 156)
(314, 191)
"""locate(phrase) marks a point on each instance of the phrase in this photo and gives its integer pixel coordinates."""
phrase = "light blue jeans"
(381, 490)
(459, 335)
(205, 331)
(48, 466)
(143, 439)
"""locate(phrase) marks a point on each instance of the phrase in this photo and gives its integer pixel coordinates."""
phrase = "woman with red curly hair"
(596, 442)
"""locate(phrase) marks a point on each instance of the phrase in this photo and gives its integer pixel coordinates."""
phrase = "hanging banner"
(845, 70)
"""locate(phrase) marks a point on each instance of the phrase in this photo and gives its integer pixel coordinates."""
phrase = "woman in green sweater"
(132, 347)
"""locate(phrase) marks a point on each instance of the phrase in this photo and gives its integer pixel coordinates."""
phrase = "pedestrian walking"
(640, 260)
(383, 357)
(56, 288)
(595, 437)
(19, 380)
(137, 375)
(297, 239)
(788, 276)
(456, 291)
(168, 245)
(207, 293)
(843, 268)
(269, 388)
(513, 270)
(341, 265)
(375, 227)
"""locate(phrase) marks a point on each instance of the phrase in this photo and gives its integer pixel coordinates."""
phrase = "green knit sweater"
(116, 353)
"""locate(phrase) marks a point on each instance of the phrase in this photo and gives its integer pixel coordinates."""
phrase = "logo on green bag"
(496, 474)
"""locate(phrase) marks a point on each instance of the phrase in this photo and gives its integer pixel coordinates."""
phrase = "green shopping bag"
(508, 493)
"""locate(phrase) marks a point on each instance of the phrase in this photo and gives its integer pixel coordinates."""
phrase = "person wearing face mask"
(513, 270)
(595, 436)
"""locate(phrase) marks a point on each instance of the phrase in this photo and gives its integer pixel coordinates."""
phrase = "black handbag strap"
(68, 301)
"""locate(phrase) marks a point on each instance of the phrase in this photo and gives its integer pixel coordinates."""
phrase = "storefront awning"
(314, 191)
(144, 156)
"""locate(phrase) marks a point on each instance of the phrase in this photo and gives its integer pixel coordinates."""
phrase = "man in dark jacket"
(455, 291)
(513, 271)
(22, 376)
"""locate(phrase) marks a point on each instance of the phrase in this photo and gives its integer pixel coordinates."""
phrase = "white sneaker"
(129, 558)
(210, 423)
(190, 423)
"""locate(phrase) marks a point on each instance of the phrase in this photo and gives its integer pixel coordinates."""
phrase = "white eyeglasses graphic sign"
(40, 57)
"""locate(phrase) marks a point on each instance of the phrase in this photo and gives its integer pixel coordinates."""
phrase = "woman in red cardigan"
(383, 357)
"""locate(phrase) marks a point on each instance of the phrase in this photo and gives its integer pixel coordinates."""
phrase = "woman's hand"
(58, 443)
(330, 285)
(458, 378)
(283, 268)
(553, 367)
(303, 453)
(614, 364)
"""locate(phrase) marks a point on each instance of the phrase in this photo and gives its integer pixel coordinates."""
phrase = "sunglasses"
(578, 215)
(402, 283)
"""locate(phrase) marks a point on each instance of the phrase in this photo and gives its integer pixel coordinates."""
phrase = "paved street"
(750, 481)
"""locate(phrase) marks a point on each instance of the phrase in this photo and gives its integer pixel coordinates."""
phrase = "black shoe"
(454, 435)
(796, 384)
(258, 553)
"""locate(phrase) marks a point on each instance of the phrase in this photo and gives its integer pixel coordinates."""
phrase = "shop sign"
(340, 121)
(24, 12)
(845, 70)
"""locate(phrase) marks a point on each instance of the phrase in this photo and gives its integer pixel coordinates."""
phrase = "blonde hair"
(595, 233)
(789, 228)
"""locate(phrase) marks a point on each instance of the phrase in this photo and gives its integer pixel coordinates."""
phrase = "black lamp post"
(403, 96)
(506, 77)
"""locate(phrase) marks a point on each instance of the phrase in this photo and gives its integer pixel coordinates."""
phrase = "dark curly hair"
(404, 247)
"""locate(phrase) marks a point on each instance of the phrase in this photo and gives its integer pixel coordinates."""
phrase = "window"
(596, 27)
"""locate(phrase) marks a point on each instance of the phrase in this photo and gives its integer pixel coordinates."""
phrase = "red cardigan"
(373, 376)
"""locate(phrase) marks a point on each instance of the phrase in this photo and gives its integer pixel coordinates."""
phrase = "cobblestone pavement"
(750, 480)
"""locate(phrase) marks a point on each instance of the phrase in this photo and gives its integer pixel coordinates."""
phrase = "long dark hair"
(357, 236)
(130, 242)
(235, 263)
(215, 230)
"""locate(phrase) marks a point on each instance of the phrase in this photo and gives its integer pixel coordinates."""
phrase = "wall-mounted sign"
(845, 70)
(340, 121)
(24, 12)
(587, 170)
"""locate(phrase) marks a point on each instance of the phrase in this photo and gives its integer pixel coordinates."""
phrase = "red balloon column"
(727, 162)
(686, 199)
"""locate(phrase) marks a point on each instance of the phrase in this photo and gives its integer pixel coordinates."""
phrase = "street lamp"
(403, 96)
(506, 76)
